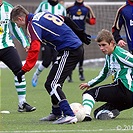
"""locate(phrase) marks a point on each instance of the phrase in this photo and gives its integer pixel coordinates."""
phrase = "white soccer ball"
(78, 110)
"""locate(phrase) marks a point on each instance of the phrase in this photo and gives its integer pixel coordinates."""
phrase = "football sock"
(21, 90)
(39, 69)
(88, 103)
(65, 107)
(56, 110)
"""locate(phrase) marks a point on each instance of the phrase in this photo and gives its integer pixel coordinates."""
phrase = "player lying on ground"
(117, 95)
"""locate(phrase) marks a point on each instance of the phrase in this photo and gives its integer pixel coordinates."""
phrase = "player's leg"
(12, 60)
(47, 58)
(113, 109)
(69, 78)
(81, 71)
(106, 112)
(67, 61)
(109, 93)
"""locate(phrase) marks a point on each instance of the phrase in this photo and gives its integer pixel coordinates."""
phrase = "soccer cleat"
(26, 108)
(35, 80)
(66, 120)
(51, 117)
(107, 115)
(87, 118)
(69, 79)
(81, 77)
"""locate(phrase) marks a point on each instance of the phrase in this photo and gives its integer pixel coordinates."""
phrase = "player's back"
(52, 29)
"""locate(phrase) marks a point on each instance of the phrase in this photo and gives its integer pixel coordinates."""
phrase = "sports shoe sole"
(105, 116)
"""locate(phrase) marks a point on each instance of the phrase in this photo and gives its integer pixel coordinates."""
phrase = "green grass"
(38, 97)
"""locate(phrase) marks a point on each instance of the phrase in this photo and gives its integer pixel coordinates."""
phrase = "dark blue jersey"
(79, 13)
(124, 18)
(50, 28)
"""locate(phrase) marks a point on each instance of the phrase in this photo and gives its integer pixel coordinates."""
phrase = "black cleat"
(26, 108)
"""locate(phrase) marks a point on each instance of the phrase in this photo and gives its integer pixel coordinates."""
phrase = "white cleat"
(35, 80)
(66, 120)
(50, 117)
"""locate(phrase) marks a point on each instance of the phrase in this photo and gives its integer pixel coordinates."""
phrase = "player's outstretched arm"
(83, 86)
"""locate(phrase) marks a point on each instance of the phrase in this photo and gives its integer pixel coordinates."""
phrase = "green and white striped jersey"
(7, 28)
(46, 7)
(120, 65)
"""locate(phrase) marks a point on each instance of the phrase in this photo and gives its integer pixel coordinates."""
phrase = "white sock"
(21, 99)
(21, 90)
(39, 69)
(88, 103)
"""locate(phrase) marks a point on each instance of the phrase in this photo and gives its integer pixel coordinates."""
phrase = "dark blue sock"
(56, 110)
(64, 106)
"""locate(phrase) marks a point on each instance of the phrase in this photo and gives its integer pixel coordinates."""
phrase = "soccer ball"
(78, 110)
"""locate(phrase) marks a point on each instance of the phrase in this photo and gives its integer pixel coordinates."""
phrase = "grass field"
(16, 122)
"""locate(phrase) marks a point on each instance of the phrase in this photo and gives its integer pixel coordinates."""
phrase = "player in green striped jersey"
(117, 95)
(9, 54)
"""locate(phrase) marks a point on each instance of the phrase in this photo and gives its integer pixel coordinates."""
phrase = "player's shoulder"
(60, 5)
(88, 7)
(43, 3)
(7, 4)
(121, 7)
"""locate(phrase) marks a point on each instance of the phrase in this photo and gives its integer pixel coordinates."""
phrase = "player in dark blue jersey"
(45, 27)
(80, 14)
(124, 18)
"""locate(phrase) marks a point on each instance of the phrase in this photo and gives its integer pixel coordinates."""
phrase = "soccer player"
(50, 28)
(49, 54)
(124, 18)
(117, 95)
(9, 54)
(80, 14)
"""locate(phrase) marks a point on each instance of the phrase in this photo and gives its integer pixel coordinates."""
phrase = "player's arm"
(79, 32)
(90, 19)
(32, 56)
(116, 28)
(102, 75)
(19, 35)
(31, 59)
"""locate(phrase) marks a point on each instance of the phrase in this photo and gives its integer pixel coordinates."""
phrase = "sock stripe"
(87, 104)
(86, 100)
(21, 93)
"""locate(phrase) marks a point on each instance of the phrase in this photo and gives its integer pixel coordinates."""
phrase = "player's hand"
(83, 86)
(87, 39)
(27, 48)
(19, 75)
(122, 43)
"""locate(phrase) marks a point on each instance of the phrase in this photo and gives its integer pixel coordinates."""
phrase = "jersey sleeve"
(118, 22)
(124, 56)
(91, 19)
(32, 56)
(102, 75)
(19, 34)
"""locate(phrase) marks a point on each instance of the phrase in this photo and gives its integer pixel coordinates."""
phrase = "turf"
(38, 97)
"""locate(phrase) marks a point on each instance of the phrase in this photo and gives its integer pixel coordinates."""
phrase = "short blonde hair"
(18, 11)
(104, 35)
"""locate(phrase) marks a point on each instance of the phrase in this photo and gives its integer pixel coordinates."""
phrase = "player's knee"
(47, 85)
(89, 92)
(46, 63)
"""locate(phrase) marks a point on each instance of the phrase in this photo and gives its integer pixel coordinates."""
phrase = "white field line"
(67, 131)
